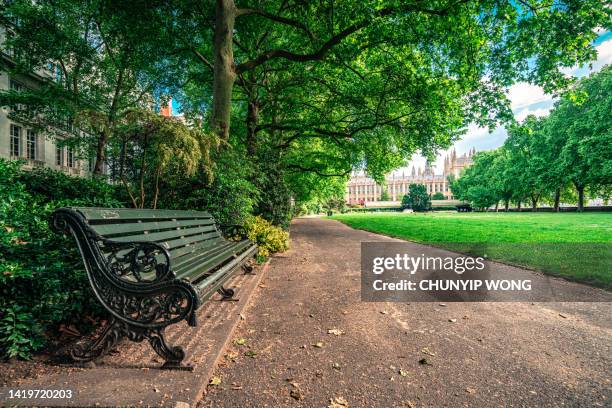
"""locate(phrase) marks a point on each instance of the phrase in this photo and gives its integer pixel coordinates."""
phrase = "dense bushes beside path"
(42, 279)
(43, 283)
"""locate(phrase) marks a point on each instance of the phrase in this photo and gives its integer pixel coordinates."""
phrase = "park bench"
(151, 269)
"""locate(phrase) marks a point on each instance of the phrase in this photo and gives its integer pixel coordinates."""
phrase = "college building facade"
(361, 190)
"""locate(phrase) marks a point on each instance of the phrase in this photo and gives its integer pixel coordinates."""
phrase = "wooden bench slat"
(91, 214)
(169, 235)
(197, 270)
(177, 243)
(123, 228)
(209, 284)
(180, 251)
(188, 259)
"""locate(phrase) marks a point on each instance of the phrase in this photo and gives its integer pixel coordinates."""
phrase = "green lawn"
(576, 246)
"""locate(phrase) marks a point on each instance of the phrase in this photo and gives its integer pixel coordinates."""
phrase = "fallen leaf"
(215, 381)
(155, 389)
(338, 402)
(384, 312)
(318, 345)
(335, 332)
(425, 350)
(442, 304)
(409, 404)
(562, 315)
(250, 353)
(403, 373)
(452, 320)
(424, 361)
(231, 355)
(240, 342)
(336, 366)
(242, 316)
(470, 390)
(296, 394)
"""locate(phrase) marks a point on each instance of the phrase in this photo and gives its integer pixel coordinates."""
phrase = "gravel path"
(494, 354)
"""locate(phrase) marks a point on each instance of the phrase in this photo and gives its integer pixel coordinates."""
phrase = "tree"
(417, 198)
(154, 148)
(476, 183)
(581, 120)
(100, 60)
(438, 196)
(387, 66)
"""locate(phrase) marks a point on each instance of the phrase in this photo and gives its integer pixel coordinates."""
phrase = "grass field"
(576, 246)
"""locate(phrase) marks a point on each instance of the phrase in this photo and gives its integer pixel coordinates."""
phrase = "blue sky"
(525, 100)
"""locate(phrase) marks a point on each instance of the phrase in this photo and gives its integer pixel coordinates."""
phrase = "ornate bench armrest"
(233, 230)
(137, 258)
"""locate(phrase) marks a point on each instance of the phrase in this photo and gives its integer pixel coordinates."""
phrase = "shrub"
(269, 238)
(43, 283)
(417, 198)
(438, 196)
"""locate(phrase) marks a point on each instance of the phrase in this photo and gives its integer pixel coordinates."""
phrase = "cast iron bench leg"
(113, 333)
(227, 293)
(247, 268)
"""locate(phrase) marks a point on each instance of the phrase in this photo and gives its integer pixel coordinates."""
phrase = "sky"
(526, 99)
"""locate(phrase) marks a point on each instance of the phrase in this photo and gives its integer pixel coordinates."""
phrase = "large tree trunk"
(534, 203)
(580, 190)
(100, 153)
(251, 121)
(518, 205)
(506, 205)
(223, 70)
(557, 199)
(497, 206)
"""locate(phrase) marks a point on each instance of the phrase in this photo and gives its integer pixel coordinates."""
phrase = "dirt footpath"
(308, 340)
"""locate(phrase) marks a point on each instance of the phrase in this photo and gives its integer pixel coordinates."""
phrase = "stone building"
(362, 189)
(18, 141)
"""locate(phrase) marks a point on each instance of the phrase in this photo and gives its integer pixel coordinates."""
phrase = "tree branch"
(274, 17)
(318, 55)
(317, 171)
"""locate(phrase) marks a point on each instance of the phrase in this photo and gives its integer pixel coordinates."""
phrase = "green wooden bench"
(151, 269)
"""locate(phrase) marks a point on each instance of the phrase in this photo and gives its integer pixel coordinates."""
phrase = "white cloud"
(525, 99)
(523, 94)
(523, 113)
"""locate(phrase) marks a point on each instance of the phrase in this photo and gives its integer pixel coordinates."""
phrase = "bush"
(43, 283)
(438, 196)
(230, 197)
(269, 238)
(417, 198)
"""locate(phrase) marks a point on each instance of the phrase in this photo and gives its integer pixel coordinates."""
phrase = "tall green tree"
(582, 121)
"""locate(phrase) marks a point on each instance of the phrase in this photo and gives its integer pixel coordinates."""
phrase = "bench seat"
(152, 268)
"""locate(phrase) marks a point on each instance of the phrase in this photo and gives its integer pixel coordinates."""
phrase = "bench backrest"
(180, 232)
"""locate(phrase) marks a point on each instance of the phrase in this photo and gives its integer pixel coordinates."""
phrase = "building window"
(59, 155)
(71, 157)
(32, 140)
(15, 140)
(16, 86)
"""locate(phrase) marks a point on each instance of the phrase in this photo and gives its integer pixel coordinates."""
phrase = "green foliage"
(42, 279)
(438, 196)
(269, 238)
(384, 196)
(417, 198)
(230, 196)
(542, 157)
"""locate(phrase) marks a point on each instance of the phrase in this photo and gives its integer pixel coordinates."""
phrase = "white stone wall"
(45, 145)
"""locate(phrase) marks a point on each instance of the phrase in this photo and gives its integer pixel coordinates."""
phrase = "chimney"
(166, 110)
